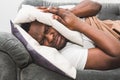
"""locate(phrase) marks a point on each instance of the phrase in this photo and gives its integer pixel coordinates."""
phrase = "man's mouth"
(57, 40)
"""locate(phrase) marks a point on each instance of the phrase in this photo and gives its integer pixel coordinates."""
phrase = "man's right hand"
(65, 16)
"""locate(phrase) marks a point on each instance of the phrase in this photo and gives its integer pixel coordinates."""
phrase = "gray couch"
(17, 64)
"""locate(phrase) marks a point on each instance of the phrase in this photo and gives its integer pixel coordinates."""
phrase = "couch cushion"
(99, 75)
(15, 49)
(35, 72)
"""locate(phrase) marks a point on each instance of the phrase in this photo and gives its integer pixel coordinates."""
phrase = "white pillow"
(30, 13)
(47, 57)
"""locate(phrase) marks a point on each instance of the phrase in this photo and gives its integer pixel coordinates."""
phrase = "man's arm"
(86, 8)
(103, 40)
(107, 53)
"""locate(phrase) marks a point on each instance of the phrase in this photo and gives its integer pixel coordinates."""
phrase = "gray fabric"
(110, 11)
(7, 67)
(45, 3)
(13, 47)
(99, 75)
(35, 72)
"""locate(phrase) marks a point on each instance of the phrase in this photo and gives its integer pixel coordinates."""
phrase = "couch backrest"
(110, 11)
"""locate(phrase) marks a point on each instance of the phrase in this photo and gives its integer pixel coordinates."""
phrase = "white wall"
(8, 10)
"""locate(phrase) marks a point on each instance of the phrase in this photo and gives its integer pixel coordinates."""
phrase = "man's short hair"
(26, 26)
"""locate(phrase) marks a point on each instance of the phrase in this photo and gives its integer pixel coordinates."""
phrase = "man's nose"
(49, 37)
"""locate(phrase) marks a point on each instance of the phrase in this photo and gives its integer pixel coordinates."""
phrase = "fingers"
(59, 19)
(58, 11)
(54, 10)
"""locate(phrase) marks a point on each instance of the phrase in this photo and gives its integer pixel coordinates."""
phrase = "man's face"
(46, 35)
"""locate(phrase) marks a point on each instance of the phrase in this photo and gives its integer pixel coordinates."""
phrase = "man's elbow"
(115, 52)
(96, 7)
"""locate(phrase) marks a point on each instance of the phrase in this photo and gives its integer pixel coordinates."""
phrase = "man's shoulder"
(71, 46)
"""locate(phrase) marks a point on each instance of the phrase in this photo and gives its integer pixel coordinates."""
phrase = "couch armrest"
(7, 67)
(15, 49)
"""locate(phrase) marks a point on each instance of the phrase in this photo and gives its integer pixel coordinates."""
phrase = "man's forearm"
(103, 40)
(86, 8)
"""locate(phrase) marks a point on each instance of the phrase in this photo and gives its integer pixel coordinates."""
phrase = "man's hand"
(64, 16)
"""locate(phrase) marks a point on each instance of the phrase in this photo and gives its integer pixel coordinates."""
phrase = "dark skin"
(84, 10)
(47, 35)
(107, 53)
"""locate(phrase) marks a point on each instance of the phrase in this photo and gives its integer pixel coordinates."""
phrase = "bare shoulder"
(97, 59)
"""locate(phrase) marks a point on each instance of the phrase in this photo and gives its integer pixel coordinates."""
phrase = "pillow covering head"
(44, 56)
(30, 13)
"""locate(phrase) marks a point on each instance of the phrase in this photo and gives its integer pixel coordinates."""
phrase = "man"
(105, 55)
(84, 9)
